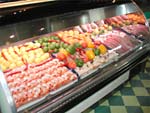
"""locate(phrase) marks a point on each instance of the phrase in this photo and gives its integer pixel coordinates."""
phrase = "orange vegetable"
(103, 49)
(91, 45)
(61, 56)
(72, 64)
(90, 54)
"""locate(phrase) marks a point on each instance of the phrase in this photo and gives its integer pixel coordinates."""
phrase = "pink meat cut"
(136, 29)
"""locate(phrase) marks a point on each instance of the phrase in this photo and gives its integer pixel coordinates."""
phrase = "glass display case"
(60, 61)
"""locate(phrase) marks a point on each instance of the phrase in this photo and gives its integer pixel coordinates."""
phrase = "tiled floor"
(132, 97)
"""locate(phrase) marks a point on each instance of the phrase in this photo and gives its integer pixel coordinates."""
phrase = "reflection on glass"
(23, 30)
(123, 9)
(12, 36)
(41, 29)
(84, 19)
(7, 43)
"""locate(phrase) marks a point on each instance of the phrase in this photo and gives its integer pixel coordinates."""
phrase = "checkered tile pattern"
(132, 97)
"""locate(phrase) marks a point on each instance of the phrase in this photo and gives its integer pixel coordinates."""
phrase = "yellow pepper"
(103, 49)
(64, 51)
(90, 54)
(91, 45)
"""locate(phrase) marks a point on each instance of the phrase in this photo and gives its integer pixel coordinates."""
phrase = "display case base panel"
(99, 94)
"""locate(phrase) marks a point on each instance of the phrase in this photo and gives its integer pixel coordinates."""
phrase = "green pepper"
(45, 44)
(45, 39)
(61, 44)
(45, 49)
(77, 45)
(57, 45)
(51, 46)
(65, 45)
(71, 49)
(96, 51)
(101, 31)
(54, 37)
(53, 43)
(56, 50)
(40, 41)
(79, 62)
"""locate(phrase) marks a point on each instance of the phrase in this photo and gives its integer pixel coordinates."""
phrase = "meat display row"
(117, 40)
(35, 69)
(137, 29)
(33, 81)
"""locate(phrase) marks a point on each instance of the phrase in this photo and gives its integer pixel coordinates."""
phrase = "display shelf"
(62, 59)
(99, 94)
(22, 3)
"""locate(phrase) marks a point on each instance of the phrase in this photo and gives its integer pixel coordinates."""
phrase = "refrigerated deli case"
(67, 61)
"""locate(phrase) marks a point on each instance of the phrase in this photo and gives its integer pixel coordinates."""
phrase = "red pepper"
(31, 49)
(27, 67)
(43, 62)
(72, 64)
(84, 45)
(24, 61)
(53, 41)
(97, 42)
(57, 34)
(61, 56)
(78, 49)
(8, 70)
(65, 63)
(22, 46)
(85, 59)
(16, 72)
(16, 53)
(3, 55)
(82, 52)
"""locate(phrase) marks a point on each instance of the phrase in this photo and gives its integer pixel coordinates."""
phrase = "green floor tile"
(148, 90)
(130, 101)
(131, 97)
(148, 65)
(136, 83)
(145, 71)
(118, 109)
(117, 93)
(115, 100)
(92, 111)
(140, 91)
(144, 76)
(146, 83)
(102, 109)
(144, 100)
(146, 109)
(104, 103)
(136, 77)
(127, 84)
(89, 111)
(134, 109)
(127, 91)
